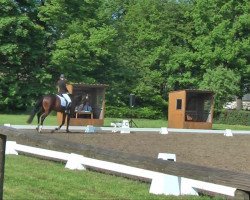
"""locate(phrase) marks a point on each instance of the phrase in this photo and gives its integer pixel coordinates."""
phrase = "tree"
(81, 44)
(222, 39)
(148, 33)
(21, 55)
(224, 88)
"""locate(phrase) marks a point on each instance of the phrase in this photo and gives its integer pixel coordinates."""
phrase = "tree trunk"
(239, 104)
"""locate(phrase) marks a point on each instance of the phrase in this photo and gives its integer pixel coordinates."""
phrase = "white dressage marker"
(90, 129)
(115, 125)
(228, 132)
(125, 127)
(167, 156)
(164, 130)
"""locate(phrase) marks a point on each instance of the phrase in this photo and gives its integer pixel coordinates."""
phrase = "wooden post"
(2, 162)
(241, 195)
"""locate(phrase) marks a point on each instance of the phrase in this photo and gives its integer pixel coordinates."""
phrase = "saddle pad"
(62, 100)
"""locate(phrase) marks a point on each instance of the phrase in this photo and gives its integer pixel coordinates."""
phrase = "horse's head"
(85, 97)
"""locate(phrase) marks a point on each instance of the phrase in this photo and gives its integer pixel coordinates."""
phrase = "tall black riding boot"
(67, 109)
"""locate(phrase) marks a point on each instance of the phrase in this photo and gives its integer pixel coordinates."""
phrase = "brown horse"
(44, 106)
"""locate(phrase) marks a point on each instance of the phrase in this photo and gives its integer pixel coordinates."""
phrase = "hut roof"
(194, 91)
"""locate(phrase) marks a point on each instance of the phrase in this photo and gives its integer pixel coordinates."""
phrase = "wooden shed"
(96, 99)
(190, 109)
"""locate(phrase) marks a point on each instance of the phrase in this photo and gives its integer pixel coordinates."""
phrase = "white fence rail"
(162, 130)
(161, 183)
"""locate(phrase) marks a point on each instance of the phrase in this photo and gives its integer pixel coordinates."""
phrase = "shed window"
(178, 104)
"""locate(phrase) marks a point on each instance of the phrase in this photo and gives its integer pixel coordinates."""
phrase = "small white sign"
(125, 126)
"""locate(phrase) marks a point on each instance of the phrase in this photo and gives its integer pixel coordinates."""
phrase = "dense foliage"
(234, 117)
(145, 47)
(142, 112)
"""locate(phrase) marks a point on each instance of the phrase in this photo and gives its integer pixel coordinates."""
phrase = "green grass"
(227, 126)
(142, 123)
(30, 178)
(21, 119)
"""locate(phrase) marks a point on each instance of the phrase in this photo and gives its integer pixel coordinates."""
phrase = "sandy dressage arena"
(213, 150)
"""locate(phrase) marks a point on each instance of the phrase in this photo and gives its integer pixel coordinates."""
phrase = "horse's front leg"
(68, 119)
(63, 121)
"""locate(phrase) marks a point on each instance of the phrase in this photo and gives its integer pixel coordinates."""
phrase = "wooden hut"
(190, 109)
(96, 99)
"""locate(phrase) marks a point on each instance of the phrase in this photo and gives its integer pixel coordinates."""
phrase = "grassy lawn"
(21, 119)
(30, 178)
(142, 123)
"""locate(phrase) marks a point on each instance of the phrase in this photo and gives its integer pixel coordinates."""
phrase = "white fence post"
(74, 162)
(11, 148)
(164, 183)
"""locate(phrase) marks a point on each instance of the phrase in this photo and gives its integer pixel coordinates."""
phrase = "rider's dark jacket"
(62, 86)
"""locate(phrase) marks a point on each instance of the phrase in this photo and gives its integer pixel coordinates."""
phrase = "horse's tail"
(35, 110)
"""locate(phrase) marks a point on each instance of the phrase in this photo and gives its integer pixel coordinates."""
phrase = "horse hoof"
(67, 131)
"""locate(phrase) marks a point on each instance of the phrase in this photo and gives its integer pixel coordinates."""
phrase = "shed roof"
(194, 91)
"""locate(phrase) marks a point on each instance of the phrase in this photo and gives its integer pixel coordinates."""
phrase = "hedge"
(234, 117)
(121, 112)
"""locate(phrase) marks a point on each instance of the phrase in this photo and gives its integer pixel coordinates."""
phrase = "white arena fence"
(160, 183)
(126, 129)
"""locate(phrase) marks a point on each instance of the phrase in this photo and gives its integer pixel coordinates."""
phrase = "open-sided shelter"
(96, 99)
(191, 109)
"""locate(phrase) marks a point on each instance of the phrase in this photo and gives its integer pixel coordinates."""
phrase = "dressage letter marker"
(125, 126)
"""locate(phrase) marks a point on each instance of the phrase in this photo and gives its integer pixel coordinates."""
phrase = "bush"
(234, 117)
(126, 112)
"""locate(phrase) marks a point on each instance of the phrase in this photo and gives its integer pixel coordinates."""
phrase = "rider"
(62, 89)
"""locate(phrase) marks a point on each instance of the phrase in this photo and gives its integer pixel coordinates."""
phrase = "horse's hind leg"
(38, 120)
(43, 116)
